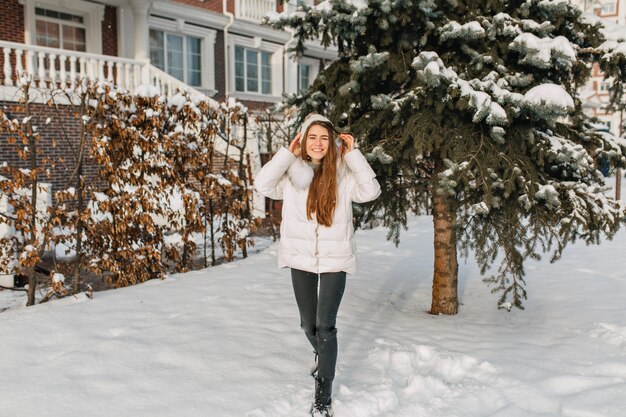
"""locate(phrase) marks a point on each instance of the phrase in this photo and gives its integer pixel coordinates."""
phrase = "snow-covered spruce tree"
(479, 100)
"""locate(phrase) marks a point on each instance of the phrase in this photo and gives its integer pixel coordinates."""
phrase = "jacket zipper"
(317, 257)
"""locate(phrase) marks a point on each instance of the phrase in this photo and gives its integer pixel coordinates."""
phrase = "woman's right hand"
(294, 146)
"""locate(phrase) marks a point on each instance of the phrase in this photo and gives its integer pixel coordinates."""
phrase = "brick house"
(217, 47)
(595, 93)
(214, 47)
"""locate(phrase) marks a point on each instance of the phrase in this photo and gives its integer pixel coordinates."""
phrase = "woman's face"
(317, 142)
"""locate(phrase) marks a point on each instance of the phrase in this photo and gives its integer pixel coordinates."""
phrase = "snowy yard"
(225, 342)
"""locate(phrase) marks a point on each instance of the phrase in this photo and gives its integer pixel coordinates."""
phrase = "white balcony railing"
(253, 10)
(51, 67)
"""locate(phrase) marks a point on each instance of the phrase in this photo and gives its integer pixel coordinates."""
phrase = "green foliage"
(489, 89)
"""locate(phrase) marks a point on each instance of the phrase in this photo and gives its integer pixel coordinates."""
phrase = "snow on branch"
(588, 204)
(378, 153)
(433, 71)
(555, 6)
(544, 52)
(615, 44)
(454, 30)
(549, 100)
(369, 61)
(612, 147)
(548, 194)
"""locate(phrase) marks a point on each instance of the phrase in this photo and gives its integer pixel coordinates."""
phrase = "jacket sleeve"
(365, 187)
(270, 181)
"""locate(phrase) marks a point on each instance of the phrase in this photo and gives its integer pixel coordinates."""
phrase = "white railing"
(63, 68)
(167, 84)
(253, 10)
(51, 67)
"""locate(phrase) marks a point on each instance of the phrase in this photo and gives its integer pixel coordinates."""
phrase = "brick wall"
(256, 105)
(213, 5)
(216, 5)
(109, 31)
(11, 25)
(230, 6)
(11, 21)
(64, 149)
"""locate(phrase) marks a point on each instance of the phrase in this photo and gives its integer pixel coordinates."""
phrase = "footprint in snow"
(612, 333)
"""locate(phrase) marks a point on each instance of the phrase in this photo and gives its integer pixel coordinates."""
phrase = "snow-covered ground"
(225, 342)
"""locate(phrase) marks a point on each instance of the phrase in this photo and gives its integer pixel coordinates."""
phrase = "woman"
(318, 179)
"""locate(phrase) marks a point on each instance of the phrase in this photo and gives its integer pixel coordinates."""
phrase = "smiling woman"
(316, 142)
(318, 182)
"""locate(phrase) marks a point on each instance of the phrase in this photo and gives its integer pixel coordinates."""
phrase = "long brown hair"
(322, 198)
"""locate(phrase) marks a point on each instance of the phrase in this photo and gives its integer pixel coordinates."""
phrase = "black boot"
(323, 392)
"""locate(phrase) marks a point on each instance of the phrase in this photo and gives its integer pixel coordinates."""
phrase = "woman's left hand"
(348, 139)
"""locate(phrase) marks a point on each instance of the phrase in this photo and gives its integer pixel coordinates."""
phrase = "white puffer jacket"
(304, 244)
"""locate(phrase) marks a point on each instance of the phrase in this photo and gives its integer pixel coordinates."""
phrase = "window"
(608, 7)
(304, 77)
(60, 30)
(178, 55)
(605, 86)
(253, 71)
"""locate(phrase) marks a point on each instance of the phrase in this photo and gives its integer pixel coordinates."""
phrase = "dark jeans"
(318, 313)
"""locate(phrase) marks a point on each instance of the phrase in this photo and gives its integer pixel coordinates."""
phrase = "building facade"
(595, 93)
(217, 47)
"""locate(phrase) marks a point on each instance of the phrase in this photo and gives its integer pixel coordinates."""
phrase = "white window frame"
(604, 85)
(92, 14)
(300, 85)
(207, 48)
(276, 62)
(259, 64)
(315, 69)
(605, 7)
(185, 52)
(60, 23)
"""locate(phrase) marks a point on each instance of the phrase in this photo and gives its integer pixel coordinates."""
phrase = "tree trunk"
(444, 299)
(32, 148)
(204, 233)
(32, 285)
(212, 231)
(79, 228)
(244, 213)
(80, 191)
